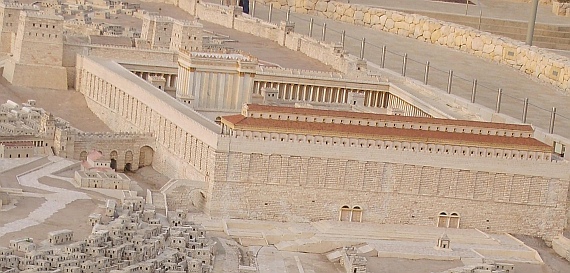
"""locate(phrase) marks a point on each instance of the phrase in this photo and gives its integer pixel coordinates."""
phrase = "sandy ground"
(67, 104)
(73, 217)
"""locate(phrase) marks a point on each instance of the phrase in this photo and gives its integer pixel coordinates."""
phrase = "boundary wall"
(254, 181)
(536, 62)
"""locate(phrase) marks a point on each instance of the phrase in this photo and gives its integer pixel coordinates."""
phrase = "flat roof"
(388, 118)
(239, 122)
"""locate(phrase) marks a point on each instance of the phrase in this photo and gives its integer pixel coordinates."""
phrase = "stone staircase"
(159, 202)
(546, 36)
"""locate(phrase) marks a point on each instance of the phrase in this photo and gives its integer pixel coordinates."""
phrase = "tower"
(9, 21)
(38, 52)
(186, 36)
(157, 30)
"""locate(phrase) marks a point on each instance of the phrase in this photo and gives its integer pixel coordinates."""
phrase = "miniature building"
(128, 243)
(158, 82)
(96, 172)
(351, 261)
(60, 237)
(13, 149)
(443, 242)
(165, 32)
(38, 52)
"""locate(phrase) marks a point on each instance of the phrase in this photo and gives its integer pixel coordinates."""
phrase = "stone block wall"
(184, 141)
(308, 183)
(538, 63)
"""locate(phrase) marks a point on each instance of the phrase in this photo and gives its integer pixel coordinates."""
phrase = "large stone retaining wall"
(284, 181)
(538, 63)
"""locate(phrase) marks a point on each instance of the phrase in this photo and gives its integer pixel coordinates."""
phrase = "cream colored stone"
(349, 12)
(331, 7)
(435, 36)
(383, 20)
(374, 19)
(358, 15)
(488, 48)
(477, 44)
(321, 6)
(397, 17)
(389, 24)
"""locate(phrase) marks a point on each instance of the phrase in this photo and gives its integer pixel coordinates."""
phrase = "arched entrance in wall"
(145, 157)
(356, 214)
(114, 156)
(448, 220)
(345, 213)
(442, 219)
(83, 156)
(454, 220)
(128, 161)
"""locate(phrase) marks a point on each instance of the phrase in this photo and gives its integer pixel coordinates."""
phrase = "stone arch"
(114, 156)
(454, 220)
(128, 160)
(356, 214)
(83, 156)
(146, 155)
(442, 219)
(345, 213)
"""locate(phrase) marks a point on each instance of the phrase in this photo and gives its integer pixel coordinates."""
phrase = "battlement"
(19, 6)
(41, 15)
(158, 18)
(311, 74)
(113, 135)
(222, 56)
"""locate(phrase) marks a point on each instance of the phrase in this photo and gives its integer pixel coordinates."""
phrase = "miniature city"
(160, 137)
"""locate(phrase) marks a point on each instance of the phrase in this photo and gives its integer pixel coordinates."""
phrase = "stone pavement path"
(491, 76)
(56, 200)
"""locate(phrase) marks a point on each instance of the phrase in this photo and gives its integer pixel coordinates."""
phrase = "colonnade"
(322, 93)
(140, 117)
(170, 78)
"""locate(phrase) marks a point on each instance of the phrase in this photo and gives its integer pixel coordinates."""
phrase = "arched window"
(356, 214)
(345, 213)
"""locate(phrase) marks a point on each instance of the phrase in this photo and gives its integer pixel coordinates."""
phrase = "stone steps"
(334, 229)
(158, 202)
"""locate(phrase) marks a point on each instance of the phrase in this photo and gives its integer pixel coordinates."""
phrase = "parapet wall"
(118, 53)
(536, 62)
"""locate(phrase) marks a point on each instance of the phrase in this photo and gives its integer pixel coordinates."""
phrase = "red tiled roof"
(239, 122)
(389, 118)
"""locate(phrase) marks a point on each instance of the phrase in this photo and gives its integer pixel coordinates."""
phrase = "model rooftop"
(258, 108)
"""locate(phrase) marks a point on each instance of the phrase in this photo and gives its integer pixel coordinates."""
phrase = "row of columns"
(409, 109)
(314, 93)
(174, 138)
(38, 143)
(170, 78)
